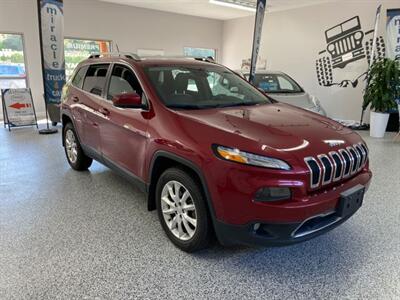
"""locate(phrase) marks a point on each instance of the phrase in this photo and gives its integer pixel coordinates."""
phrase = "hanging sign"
(393, 34)
(51, 26)
(18, 108)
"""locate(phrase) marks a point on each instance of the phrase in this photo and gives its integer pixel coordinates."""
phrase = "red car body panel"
(131, 138)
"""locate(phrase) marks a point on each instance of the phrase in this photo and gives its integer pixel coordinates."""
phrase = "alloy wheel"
(71, 146)
(178, 210)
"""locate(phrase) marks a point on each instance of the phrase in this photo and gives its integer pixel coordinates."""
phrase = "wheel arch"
(163, 160)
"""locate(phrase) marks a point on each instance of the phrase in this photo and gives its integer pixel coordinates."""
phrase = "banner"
(393, 34)
(51, 27)
(257, 36)
(18, 107)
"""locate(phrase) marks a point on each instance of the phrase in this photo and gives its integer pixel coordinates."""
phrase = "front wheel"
(182, 210)
(77, 159)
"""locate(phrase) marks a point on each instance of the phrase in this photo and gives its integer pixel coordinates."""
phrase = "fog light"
(269, 194)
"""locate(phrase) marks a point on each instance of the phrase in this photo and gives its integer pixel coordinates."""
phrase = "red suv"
(214, 155)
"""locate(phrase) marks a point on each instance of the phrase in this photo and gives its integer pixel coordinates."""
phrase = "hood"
(269, 128)
(302, 100)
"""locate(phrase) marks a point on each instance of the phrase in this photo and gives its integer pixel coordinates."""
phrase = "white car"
(282, 87)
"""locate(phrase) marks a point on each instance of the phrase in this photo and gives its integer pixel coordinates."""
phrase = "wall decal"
(346, 43)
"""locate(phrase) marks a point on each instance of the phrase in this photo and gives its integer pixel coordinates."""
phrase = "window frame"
(76, 73)
(27, 83)
(105, 80)
(146, 106)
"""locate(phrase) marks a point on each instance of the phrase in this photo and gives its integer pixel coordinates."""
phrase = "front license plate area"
(350, 201)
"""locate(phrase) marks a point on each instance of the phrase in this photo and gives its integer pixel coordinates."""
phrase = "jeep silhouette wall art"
(346, 43)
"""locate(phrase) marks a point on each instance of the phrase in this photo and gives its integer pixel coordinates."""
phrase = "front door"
(124, 134)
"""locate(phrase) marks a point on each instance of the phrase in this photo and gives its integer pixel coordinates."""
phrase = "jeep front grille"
(336, 165)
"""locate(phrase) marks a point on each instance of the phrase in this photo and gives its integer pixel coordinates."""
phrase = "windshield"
(198, 87)
(276, 83)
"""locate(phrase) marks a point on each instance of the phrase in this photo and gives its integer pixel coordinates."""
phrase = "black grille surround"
(336, 165)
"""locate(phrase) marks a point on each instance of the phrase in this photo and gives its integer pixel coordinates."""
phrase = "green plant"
(384, 85)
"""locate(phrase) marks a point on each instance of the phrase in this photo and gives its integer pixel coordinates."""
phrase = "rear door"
(74, 94)
(124, 133)
(90, 100)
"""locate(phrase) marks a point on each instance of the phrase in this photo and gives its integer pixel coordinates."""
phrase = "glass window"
(202, 87)
(276, 83)
(123, 81)
(200, 52)
(80, 75)
(12, 62)
(76, 50)
(95, 79)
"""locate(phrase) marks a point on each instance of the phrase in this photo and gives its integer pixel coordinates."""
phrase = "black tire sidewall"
(201, 237)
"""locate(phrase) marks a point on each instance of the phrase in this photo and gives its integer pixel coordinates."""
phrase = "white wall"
(130, 27)
(291, 41)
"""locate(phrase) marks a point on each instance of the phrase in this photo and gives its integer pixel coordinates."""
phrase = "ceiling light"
(238, 4)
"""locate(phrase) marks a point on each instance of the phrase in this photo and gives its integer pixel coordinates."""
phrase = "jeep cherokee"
(214, 155)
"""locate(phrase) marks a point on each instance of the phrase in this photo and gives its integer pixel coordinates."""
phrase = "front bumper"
(277, 234)
(316, 220)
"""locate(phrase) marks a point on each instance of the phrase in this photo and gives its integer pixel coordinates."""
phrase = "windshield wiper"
(239, 104)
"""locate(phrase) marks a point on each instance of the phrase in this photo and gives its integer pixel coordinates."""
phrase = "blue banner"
(51, 19)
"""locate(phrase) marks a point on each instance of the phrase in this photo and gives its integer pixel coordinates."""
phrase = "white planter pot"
(378, 124)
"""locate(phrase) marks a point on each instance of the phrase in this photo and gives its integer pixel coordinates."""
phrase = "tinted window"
(123, 81)
(95, 79)
(79, 76)
(200, 87)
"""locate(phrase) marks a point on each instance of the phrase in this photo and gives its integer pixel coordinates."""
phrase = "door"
(90, 102)
(124, 133)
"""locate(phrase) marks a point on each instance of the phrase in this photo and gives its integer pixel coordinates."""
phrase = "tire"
(77, 159)
(324, 71)
(188, 238)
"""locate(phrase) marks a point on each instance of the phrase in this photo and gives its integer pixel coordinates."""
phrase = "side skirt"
(89, 151)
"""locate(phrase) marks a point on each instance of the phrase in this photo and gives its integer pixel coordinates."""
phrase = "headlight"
(246, 158)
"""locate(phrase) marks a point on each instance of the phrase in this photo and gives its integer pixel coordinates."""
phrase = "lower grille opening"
(263, 231)
(315, 224)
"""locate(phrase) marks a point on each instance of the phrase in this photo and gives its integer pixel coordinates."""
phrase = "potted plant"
(382, 90)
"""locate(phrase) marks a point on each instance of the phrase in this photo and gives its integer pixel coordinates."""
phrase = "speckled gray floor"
(70, 235)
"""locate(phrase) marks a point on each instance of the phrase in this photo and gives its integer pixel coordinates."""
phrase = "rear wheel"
(77, 159)
(182, 210)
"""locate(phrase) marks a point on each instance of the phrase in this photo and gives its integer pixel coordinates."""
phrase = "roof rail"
(115, 54)
(138, 58)
(200, 58)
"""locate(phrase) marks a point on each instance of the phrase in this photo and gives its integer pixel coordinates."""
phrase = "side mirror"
(129, 100)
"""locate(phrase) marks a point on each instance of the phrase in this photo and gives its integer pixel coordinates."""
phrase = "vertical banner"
(51, 28)
(393, 34)
(257, 36)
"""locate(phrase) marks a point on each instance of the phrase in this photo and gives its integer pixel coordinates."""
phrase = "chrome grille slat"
(336, 165)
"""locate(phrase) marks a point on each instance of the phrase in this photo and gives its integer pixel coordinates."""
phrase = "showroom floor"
(65, 234)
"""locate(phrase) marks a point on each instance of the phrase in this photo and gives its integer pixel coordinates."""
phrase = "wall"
(131, 28)
(291, 42)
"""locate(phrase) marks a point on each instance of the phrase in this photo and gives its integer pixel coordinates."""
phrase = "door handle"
(104, 111)
(75, 99)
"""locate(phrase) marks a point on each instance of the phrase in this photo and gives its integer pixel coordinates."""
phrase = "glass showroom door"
(77, 50)
(12, 61)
